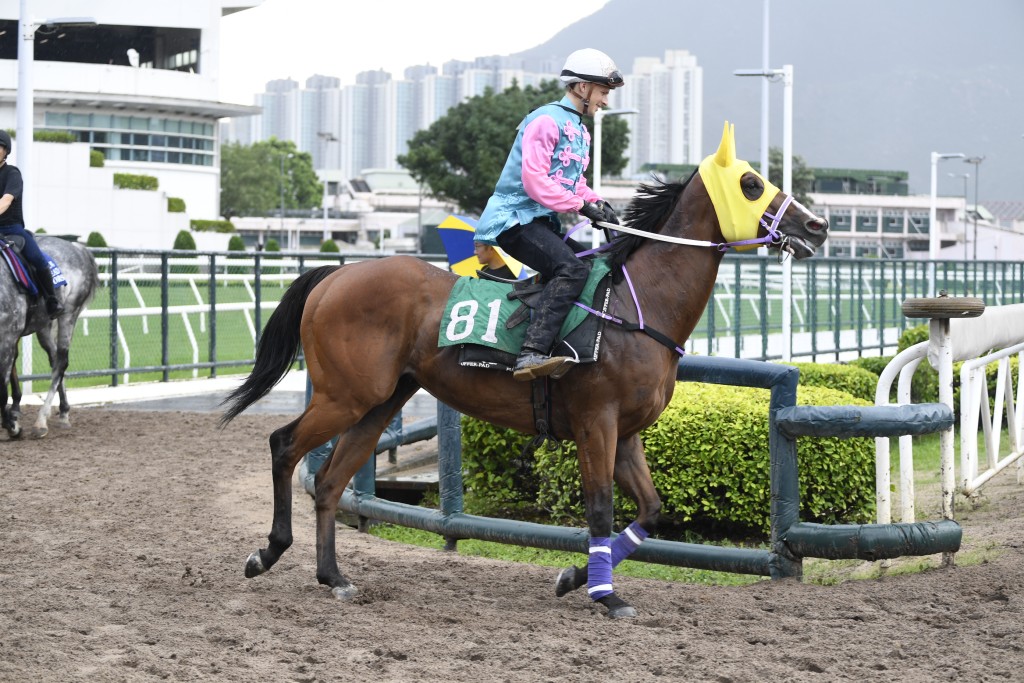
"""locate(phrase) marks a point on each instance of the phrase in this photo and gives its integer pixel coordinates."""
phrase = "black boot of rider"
(54, 306)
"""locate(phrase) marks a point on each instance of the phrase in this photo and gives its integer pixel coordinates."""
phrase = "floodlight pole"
(934, 243)
(786, 75)
(599, 115)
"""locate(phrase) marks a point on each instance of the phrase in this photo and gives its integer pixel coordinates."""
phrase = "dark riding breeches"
(538, 246)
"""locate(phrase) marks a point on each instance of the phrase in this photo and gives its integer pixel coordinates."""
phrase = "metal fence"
(162, 315)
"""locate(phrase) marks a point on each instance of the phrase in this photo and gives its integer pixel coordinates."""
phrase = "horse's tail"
(279, 345)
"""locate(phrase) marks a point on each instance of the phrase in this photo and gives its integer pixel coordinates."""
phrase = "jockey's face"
(3, 154)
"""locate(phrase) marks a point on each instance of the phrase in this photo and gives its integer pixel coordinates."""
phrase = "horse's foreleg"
(354, 449)
(283, 458)
(58, 364)
(596, 459)
(634, 478)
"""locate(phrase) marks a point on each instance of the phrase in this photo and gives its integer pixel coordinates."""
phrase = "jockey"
(542, 177)
(13, 223)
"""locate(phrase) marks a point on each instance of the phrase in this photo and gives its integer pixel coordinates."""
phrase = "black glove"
(601, 211)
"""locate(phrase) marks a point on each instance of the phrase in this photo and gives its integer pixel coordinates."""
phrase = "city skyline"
(349, 128)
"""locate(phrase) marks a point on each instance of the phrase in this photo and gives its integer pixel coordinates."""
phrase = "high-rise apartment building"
(369, 124)
(668, 93)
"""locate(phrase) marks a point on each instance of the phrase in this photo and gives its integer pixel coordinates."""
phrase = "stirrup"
(531, 365)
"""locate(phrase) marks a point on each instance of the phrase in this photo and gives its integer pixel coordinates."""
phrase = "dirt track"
(124, 540)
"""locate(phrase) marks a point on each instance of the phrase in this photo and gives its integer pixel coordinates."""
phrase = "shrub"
(237, 244)
(200, 225)
(95, 239)
(135, 181)
(184, 241)
(61, 136)
(40, 231)
(96, 158)
(176, 205)
(709, 459)
(851, 379)
(329, 246)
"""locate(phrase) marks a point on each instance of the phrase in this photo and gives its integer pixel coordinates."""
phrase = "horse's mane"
(648, 211)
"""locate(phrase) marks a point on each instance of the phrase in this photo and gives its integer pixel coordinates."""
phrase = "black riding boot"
(54, 306)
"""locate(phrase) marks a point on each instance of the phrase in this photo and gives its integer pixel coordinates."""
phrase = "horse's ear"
(726, 154)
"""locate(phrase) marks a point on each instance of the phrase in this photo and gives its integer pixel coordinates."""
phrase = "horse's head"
(749, 207)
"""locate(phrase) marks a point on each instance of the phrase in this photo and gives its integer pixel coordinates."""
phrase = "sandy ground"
(124, 541)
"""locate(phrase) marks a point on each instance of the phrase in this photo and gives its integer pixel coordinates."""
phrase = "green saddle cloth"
(478, 310)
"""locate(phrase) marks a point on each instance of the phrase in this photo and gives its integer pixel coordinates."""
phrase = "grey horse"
(21, 316)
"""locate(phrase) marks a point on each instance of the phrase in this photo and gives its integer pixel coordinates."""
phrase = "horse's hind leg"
(58, 356)
(634, 478)
(283, 460)
(354, 448)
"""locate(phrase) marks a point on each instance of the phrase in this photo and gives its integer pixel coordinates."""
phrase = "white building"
(669, 96)
(141, 86)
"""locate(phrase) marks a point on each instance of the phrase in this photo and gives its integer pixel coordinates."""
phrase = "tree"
(803, 177)
(250, 178)
(236, 243)
(460, 156)
(95, 239)
(329, 246)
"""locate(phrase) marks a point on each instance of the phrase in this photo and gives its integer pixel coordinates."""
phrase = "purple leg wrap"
(626, 542)
(599, 568)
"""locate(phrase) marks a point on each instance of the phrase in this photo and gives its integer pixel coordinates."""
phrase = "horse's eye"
(752, 186)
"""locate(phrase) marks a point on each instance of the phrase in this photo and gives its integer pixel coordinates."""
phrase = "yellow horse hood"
(738, 217)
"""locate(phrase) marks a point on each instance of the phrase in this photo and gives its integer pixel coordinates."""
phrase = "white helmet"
(591, 66)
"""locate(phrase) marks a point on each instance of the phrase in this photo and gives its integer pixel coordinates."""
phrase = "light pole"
(785, 74)
(327, 138)
(965, 176)
(25, 112)
(977, 164)
(933, 231)
(598, 117)
(283, 157)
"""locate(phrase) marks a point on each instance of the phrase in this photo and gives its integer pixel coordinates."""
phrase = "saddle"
(11, 248)
(504, 323)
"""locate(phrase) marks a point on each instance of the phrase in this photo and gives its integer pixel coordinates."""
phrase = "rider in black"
(13, 223)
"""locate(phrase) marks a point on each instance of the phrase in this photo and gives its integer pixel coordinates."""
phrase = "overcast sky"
(298, 38)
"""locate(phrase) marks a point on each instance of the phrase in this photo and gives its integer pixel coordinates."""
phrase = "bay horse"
(22, 315)
(369, 332)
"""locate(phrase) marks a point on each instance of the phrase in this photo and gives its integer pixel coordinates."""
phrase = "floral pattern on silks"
(543, 175)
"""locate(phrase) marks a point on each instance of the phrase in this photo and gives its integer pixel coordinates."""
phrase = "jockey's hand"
(609, 213)
(595, 212)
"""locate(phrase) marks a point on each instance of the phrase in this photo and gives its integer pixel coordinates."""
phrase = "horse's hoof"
(64, 422)
(623, 612)
(39, 432)
(566, 581)
(14, 433)
(345, 593)
(254, 565)
(617, 607)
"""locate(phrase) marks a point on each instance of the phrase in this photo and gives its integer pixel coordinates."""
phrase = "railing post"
(737, 309)
(449, 463)
(258, 299)
(165, 326)
(763, 272)
(213, 314)
(113, 319)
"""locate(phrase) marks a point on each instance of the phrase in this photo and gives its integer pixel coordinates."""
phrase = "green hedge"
(95, 239)
(96, 159)
(61, 136)
(135, 181)
(176, 205)
(200, 225)
(853, 380)
(709, 459)
(329, 246)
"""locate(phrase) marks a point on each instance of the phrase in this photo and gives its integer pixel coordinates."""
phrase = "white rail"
(994, 337)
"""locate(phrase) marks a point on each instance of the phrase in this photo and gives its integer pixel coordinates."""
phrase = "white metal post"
(787, 187)
(25, 112)
(934, 243)
(595, 158)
